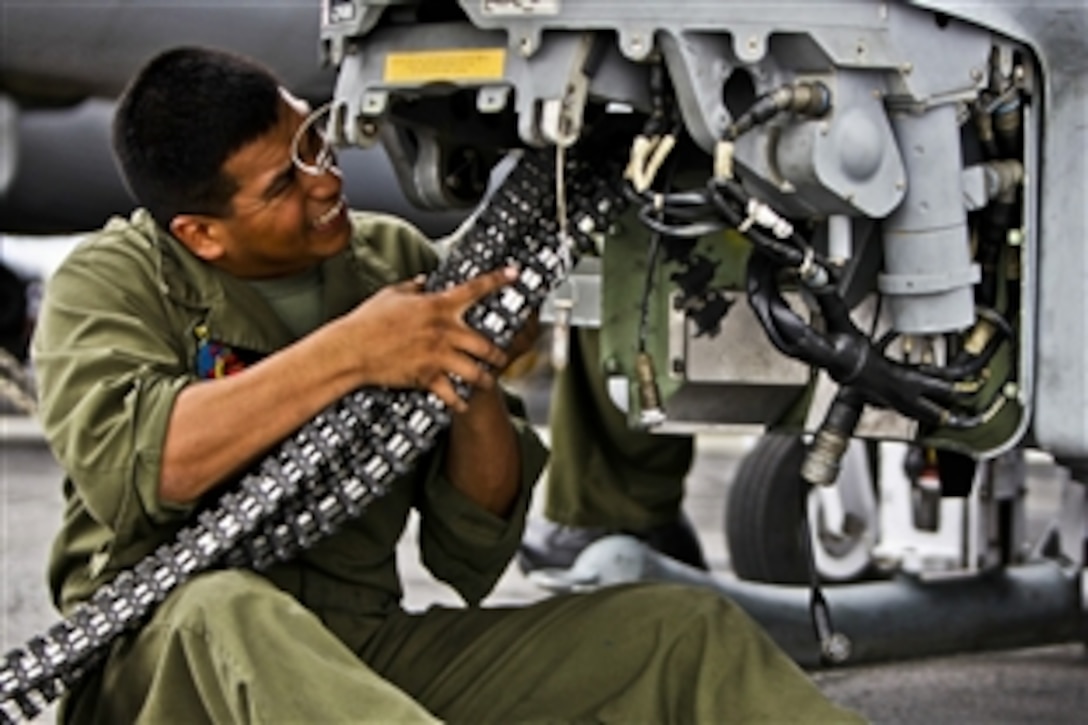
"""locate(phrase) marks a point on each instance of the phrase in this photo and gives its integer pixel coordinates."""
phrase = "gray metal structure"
(902, 77)
(911, 168)
(915, 165)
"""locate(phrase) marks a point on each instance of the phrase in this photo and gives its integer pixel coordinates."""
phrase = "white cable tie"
(640, 150)
(814, 275)
(723, 160)
(768, 218)
(647, 156)
(806, 266)
(663, 146)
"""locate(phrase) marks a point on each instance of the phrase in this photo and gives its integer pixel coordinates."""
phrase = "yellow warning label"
(445, 65)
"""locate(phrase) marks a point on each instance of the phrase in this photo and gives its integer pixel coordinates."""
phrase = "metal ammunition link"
(347, 456)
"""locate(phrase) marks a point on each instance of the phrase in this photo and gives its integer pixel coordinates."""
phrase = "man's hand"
(524, 341)
(403, 337)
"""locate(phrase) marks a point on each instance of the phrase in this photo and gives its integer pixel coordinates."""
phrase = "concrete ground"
(1036, 685)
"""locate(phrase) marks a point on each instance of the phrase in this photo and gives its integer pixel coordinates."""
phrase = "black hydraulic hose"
(695, 229)
(848, 356)
(787, 331)
(731, 204)
(683, 214)
(966, 365)
(811, 99)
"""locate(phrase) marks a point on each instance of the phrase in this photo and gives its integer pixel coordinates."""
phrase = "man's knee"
(683, 603)
(702, 616)
(225, 599)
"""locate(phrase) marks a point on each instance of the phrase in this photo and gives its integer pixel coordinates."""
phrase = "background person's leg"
(604, 476)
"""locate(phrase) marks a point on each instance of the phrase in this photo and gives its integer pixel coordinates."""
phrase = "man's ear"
(199, 234)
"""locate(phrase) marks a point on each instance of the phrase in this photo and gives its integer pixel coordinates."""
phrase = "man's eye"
(281, 185)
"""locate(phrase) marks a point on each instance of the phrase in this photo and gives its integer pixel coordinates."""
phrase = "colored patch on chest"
(215, 359)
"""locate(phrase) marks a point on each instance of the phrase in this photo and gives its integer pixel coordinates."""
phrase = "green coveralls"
(322, 639)
(603, 473)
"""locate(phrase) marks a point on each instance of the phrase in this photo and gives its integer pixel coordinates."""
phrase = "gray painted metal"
(929, 276)
(362, 94)
(921, 57)
(903, 618)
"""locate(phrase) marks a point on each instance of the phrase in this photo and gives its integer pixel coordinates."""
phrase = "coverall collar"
(235, 313)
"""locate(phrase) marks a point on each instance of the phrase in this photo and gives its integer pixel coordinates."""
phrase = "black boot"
(676, 539)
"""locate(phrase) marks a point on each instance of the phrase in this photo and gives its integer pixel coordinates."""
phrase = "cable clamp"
(813, 274)
(766, 217)
(807, 264)
(647, 156)
(723, 160)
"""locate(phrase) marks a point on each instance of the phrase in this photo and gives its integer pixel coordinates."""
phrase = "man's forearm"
(218, 427)
(483, 461)
(413, 340)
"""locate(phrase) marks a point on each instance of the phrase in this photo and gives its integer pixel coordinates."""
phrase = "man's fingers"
(480, 348)
(415, 283)
(483, 285)
(442, 386)
(470, 371)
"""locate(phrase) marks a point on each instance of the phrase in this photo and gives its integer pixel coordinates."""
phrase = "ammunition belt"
(347, 456)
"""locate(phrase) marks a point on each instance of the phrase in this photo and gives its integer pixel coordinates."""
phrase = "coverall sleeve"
(463, 544)
(109, 371)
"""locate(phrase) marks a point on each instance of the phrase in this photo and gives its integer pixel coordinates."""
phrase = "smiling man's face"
(284, 219)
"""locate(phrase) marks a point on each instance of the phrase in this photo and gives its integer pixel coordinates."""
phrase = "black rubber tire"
(763, 512)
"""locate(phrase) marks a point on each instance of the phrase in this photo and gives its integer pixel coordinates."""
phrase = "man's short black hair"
(179, 120)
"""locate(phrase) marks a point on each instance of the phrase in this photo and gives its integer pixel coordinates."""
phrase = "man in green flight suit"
(175, 348)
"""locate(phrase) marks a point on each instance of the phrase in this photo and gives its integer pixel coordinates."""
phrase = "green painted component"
(624, 264)
(999, 429)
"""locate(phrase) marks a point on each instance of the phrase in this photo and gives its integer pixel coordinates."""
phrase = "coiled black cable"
(935, 395)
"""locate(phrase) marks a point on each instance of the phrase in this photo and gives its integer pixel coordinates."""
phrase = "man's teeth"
(329, 215)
